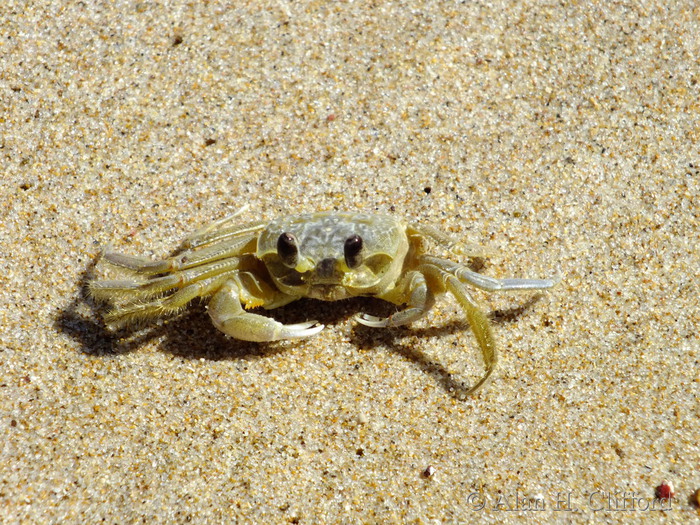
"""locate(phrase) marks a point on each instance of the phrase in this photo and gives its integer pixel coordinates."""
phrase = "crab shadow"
(393, 339)
(192, 335)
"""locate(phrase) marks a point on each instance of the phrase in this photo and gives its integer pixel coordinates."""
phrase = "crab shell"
(322, 271)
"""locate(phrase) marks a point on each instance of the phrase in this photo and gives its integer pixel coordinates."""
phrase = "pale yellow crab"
(327, 256)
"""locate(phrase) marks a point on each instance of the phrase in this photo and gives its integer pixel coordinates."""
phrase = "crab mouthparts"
(328, 292)
(326, 272)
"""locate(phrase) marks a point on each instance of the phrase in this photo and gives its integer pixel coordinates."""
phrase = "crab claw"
(373, 321)
(299, 330)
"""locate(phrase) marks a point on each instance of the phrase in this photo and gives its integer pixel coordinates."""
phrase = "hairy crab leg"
(182, 261)
(215, 232)
(218, 224)
(134, 313)
(215, 252)
(142, 290)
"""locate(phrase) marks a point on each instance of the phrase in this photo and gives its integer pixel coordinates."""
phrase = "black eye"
(288, 249)
(353, 249)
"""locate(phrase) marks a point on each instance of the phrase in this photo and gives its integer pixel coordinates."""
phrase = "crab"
(328, 256)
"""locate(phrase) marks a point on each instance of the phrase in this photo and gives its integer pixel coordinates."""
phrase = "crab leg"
(441, 280)
(138, 264)
(453, 245)
(216, 232)
(142, 290)
(486, 283)
(480, 326)
(134, 313)
(182, 261)
(413, 289)
(228, 315)
(420, 299)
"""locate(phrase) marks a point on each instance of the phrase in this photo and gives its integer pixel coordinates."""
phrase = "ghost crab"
(327, 256)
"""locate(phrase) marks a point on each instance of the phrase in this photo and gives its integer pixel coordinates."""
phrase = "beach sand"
(563, 138)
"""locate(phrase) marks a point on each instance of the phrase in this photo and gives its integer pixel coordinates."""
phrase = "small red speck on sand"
(665, 491)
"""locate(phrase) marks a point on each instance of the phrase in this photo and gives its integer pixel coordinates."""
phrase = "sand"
(562, 137)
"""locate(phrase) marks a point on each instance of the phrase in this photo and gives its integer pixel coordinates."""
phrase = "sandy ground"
(564, 138)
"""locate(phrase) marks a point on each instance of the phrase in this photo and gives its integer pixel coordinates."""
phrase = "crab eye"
(288, 249)
(353, 249)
